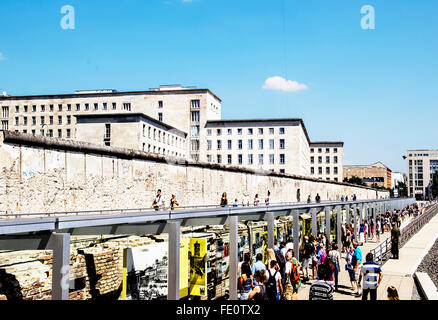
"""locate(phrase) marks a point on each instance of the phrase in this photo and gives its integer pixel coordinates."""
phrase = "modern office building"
(398, 179)
(422, 164)
(376, 173)
(326, 160)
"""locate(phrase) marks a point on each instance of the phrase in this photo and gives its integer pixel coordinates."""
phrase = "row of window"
(250, 144)
(162, 151)
(49, 132)
(250, 159)
(249, 132)
(327, 159)
(161, 136)
(51, 107)
(42, 120)
(327, 170)
(327, 150)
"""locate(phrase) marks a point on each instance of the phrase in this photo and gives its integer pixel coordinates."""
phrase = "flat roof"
(93, 93)
(325, 143)
(124, 115)
(299, 120)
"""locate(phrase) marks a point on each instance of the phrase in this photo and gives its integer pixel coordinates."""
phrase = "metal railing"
(382, 253)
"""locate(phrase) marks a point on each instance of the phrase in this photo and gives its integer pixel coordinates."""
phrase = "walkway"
(346, 293)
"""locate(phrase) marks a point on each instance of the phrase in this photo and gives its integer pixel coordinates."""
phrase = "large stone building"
(422, 164)
(376, 173)
(326, 160)
(176, 121)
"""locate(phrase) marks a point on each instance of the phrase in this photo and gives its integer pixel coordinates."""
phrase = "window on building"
(42, 120)
(260, 144)
(335, 150)
(282, 159)
(250, 144)
(51, 108)
(319, 159)
(327, 170)
(17, 109)
(219, 158)
(312, 159)
(319, 170)
(160, 117)
(69, 107)
(87, 107)
(319, 150)
(195, 104)
(312, 170)
(59, 107)
(229, 159)
(312, 150)
(59, 133)
(195, 116)
(239, 159)
(160, 104)
(208, 144)
(335, 170)
(271, 144)
(25, 121)
(219, 144)
(260, 130)
(250, 131)
(260, 158)
(335, 159)
(33, 132)
(195, 145)
(282, 171)
(271, 159)
(50, 119)
(219, 132)
(78, 107)
(5, 125)
(24, 131)
(281, 130)
(250, 159)
(239, 131)
(25, 108)
(107, 130)
(16, 121)
(327, 150)
(230, 144)
(68, 119)
(33, 108)
(50, 132)
(282, 144)
(43, 108)
(240, 144)
(114, 106)
(33, 121)
(271, 130)
(209, 158)
(327, 159)
(195, 131)
(229, 131)
(96, 106)
(59, 119)
(127, 106)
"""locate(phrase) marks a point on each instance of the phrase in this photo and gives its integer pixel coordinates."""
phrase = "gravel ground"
(430, 264)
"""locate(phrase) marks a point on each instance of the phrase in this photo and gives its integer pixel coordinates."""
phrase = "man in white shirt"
(158, 203)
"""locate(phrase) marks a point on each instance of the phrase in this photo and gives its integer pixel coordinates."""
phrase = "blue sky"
(376, 90)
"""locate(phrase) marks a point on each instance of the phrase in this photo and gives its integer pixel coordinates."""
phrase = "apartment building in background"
(376, 173)
(280, 145)
(173, 120)
(326, 160)
(422, 164)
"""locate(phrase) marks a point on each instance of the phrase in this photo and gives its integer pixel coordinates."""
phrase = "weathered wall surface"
(47, 174)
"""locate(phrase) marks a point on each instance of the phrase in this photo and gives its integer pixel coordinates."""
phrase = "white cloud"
(2, 57)
(279, 83)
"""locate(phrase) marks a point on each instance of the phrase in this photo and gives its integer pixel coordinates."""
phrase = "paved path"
(346, 293)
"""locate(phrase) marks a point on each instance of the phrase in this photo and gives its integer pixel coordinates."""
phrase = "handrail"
(182, 208)
(407, 232)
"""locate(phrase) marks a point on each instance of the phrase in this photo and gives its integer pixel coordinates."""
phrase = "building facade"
(280, 145)
(376, 173)
(131, 130)
(326, 160)
(422, 164)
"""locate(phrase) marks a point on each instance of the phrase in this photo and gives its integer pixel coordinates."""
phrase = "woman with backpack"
(335, 258)
(246, 279)
(259, 291)
(292, 273)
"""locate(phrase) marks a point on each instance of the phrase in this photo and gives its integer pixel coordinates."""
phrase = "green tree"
(355, 180)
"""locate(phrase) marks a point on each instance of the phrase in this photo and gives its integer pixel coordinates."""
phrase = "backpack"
(294, 275)
(271, 286)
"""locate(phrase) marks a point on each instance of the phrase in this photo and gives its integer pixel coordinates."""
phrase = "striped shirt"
(370, 271)
(321, 290)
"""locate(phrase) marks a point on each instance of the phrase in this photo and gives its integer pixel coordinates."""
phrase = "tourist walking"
(274, 288)
(392, 293)
(317, 198)
(321, 289)
(356, 261)
(335, 257)
(245, 201)
(267, 199)
(173, 202)
(158, 203)
(258, 265)
(292, 272)
(259, 291)
(395, 235)
(246, 278)
(308, 252)
(372, 276)
(235, 203)
(224, 200)
(256, 200)
(308, 199)
(349, 266)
